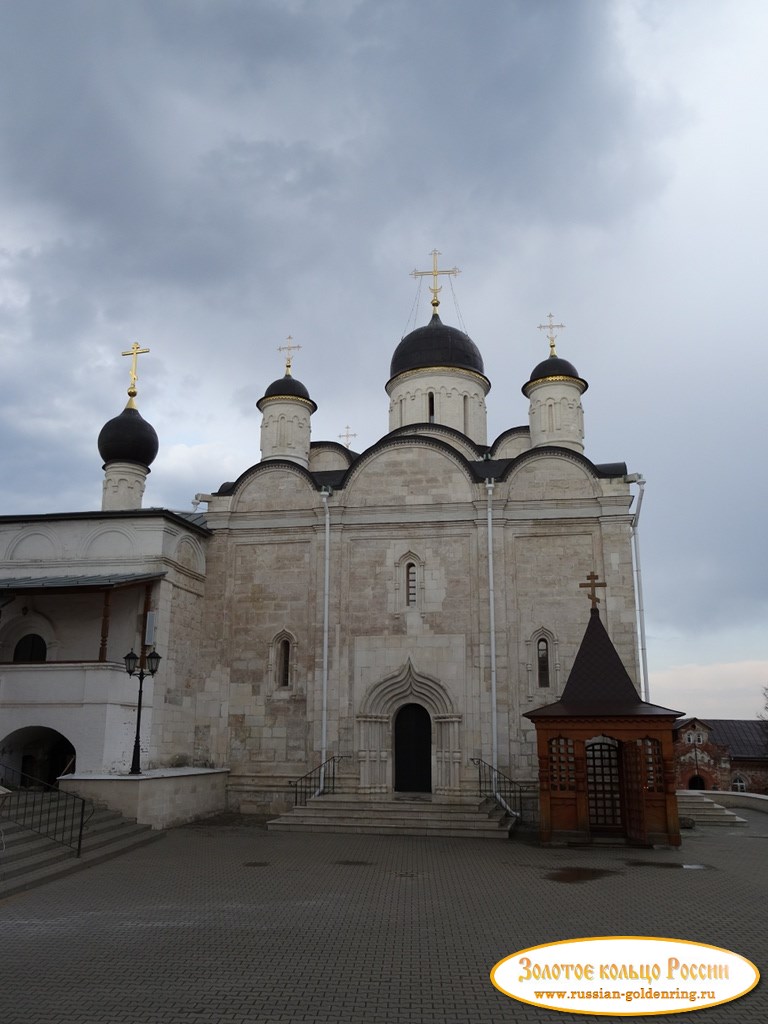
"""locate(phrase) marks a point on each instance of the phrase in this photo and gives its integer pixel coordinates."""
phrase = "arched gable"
(34, 545)
(546, 473)
(109, 542)
(189, 554)
(511, 443)
(273, 486)
(409, 471)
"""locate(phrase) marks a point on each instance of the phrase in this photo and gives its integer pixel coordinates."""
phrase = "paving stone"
(234, 924)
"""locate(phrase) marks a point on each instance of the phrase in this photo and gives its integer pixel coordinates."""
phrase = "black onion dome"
(128, 438)
(436, 344)
(554, 366)
(287, 387)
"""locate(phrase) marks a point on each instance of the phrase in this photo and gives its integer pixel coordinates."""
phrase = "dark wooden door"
(604, 786)
(413, 750)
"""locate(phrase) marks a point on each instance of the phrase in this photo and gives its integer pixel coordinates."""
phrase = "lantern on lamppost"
(132, 662)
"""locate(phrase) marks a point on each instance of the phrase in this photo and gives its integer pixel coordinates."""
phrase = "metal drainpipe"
(637, 478)
(326, 589)
(492, 628)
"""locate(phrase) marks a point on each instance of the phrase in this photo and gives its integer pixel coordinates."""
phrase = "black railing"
(41, 808)
(320, 780)
(507, 793)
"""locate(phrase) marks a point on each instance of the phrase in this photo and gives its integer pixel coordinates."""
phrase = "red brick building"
(722, 754)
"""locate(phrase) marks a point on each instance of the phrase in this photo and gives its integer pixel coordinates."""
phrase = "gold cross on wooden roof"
(289, 358)
(590, 586)
(551, 328)
(434, 273)
(346, 436)
(135, 350)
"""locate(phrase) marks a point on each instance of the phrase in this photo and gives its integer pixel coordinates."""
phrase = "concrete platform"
(228, 923)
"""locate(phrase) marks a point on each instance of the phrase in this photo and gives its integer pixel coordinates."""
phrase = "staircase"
(402, 815)
(28, 859)
(704, 811)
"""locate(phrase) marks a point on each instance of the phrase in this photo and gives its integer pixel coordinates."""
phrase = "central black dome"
(436, 345)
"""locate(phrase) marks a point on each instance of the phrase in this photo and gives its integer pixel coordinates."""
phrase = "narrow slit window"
(284, 663)
(410, 585)
(542, 656)
(431, 406)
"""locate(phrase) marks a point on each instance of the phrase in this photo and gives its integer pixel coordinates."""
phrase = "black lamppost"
(131, 663)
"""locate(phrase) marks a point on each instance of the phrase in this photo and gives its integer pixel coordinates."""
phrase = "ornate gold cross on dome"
(135, 350)
(551, 336)
(346, 436)
(434, 273)
(289, 358)
(590, 586)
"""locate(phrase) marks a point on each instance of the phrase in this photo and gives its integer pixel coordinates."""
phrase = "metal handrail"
(42, 808)
(507, 793)
(317, 781)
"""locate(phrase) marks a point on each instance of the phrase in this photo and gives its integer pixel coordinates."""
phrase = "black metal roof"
(128, 438)
(744, 738)
(436, 344)
(287, 387)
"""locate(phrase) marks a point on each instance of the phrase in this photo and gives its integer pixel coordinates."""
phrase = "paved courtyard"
(226, 922)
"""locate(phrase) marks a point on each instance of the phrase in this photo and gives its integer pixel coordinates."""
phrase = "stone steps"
(704, 811)
(28, 859)
(399, 816)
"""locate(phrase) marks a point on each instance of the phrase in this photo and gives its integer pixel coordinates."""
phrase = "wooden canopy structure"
(606, 764)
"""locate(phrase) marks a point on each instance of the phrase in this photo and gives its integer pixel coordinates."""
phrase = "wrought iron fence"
(320, 780)
(41, 808)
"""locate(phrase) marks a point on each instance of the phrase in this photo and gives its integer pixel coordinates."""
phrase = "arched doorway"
(413, 750)
(40, 753)
(696, 782)
(604, 785)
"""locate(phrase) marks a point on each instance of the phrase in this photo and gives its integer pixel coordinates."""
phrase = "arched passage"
(413, 749)
(697, 782)
(41, 754)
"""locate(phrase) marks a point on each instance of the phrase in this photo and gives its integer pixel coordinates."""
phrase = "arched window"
(410, 585)
(739, 784)
(30, 648)
(542, 662)
(431, 407)
(284, 663)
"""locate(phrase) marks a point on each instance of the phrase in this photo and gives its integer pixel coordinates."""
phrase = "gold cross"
(551, 328)
(135, 350)
(289, 358)
(434, 273)
(346, 436)
(590, 586)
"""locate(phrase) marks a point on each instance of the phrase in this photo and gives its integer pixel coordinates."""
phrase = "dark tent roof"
(599, 685)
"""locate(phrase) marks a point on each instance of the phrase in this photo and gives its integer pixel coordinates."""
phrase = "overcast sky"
(207, 177)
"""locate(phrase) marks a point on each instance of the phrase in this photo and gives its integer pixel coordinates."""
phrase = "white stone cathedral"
(402, 607)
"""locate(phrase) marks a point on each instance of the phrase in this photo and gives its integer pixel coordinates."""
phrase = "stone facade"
(324, 591)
